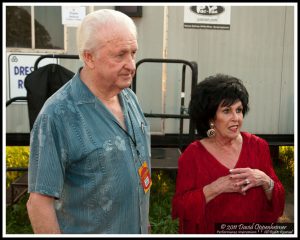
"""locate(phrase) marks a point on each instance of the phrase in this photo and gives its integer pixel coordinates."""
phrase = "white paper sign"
(72, 16)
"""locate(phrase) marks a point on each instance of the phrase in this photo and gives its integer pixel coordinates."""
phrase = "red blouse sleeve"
(275, 207)
(188, 202)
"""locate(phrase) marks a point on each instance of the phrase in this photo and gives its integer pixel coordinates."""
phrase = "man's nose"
(130, 63)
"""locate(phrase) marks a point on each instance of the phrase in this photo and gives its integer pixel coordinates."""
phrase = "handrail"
(164, 115)
(194, 69)
(192, 65)
(16, 169)
(66, 56)
(10, 101)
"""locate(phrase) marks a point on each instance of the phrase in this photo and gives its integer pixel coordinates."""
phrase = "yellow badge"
(145, 177)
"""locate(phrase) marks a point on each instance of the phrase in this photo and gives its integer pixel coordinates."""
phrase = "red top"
(197, 168)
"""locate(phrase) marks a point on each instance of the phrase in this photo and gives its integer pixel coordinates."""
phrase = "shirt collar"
(82, 94)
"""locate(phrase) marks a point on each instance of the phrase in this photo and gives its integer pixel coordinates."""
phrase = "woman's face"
(229, 120)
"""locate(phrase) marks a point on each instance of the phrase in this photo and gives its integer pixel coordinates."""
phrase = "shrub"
(17, 220)
(16, 157)
(286, 155)
(284, 168)
(162, 191)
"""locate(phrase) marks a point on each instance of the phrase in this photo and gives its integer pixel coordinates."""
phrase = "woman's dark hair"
(208, 95)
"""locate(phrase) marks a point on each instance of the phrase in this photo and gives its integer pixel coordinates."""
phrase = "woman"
(227, 175)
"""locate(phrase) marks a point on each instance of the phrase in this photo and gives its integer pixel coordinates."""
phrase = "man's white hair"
(88, 37)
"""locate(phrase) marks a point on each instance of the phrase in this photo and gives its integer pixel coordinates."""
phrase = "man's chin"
(127, 83)
(123, 86)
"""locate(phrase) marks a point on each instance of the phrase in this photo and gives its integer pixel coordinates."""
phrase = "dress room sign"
(19, 66)
(207, 17)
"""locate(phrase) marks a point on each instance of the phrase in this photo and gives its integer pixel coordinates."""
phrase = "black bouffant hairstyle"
(208, 95)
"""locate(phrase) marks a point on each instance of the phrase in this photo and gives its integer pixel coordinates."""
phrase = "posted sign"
(207, 17)
(19, 66)
(72, 16)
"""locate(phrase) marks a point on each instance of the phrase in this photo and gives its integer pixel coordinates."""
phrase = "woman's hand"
(225, 184)
(247, 178)
(239, 180)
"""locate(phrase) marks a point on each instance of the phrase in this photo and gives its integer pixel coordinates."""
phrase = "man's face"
(115, 61)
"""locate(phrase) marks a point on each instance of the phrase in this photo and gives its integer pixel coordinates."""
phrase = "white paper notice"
(72, 16)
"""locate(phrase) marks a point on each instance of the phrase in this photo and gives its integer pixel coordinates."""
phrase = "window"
(18, 24)
(48, 31)
(131, 11)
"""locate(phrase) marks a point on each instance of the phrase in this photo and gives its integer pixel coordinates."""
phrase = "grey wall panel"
(288, 91)
(255, 49)
(150, 41)
(17, 120)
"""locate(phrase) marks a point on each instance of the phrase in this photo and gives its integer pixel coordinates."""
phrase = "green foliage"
(16, 157)
(284, 167)
(162, 191)
(17, 221)
(286, 155)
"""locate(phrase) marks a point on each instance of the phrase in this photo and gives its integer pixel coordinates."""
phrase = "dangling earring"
(211, 132)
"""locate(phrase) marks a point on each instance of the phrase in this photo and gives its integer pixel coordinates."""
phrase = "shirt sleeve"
(47, 156)
(189, 202)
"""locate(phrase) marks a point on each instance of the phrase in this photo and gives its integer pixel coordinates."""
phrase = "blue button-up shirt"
(81, 156)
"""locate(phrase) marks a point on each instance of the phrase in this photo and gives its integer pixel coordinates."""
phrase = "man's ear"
(89, 59)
